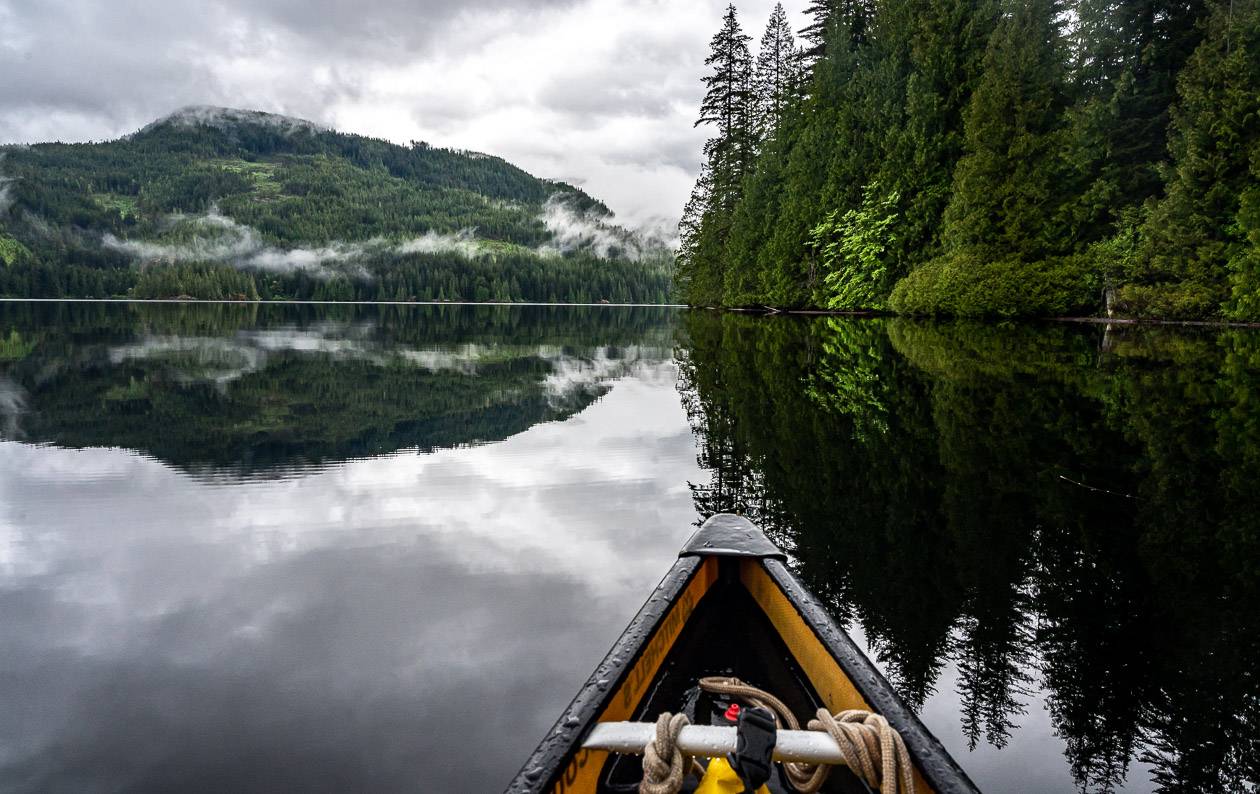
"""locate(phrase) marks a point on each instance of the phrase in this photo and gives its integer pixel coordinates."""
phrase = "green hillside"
(218, 203)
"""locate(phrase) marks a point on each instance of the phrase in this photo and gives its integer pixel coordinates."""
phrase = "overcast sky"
(601, 93)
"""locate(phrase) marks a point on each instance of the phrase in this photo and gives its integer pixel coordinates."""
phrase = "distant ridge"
(221, 117)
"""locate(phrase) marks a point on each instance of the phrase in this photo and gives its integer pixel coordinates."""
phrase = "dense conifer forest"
(217, 204)
(984, 158)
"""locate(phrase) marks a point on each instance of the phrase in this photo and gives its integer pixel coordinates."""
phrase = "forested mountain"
(217, 203)
(985, 157)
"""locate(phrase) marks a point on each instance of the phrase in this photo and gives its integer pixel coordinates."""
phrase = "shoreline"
(220, 302)
(769, 312)
(765, 311)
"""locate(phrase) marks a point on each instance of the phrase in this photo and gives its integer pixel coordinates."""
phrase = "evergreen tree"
(1006, 188)
(853, 17)
(820, 13)
(1126, 56)
(1200, 229)
(775, 77)
(690, 229)
(729, 107)
(943, 44)
(968, 157)
(815, 155)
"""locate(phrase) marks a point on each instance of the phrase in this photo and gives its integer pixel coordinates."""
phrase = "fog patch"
(463, 242)
(6, 193)
(214, 237)
(573, 229)
(228, 118)
(12, 406)
(221, 361)
(591, 374)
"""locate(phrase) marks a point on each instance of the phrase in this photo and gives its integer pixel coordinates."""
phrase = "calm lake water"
(262, 548)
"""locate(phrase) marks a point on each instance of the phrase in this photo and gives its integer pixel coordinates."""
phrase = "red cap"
(732, 714)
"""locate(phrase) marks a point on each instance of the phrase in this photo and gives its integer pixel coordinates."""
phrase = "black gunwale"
(542, 770)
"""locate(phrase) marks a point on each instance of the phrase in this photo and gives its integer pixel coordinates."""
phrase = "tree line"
(511, 277)
(983, 157)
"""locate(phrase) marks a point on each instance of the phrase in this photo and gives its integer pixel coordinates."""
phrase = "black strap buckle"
(754, 747)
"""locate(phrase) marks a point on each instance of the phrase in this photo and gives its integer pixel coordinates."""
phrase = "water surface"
(262, 548)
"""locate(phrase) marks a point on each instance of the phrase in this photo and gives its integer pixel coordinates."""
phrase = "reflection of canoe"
(729, 606)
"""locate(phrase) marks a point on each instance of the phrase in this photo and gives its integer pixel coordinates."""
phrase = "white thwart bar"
(713, 741)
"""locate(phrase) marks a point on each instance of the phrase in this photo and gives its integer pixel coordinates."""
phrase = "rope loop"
(663, 763)
(867, 741)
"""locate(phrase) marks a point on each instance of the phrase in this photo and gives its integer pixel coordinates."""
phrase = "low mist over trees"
(987, 157)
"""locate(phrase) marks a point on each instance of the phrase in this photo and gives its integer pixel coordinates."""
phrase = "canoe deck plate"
(728, 535)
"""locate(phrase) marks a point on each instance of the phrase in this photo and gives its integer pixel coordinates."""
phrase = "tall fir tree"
(1199, 243)
(814, 35)
(1125, 60)
(1006, 188)
(728, 107)
(853, 17)
(775, 79)
(690, 228)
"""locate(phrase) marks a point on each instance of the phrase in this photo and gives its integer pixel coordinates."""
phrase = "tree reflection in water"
(1060, 513)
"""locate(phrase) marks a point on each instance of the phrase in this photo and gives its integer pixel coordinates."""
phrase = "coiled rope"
(663, 764)
(870, 746)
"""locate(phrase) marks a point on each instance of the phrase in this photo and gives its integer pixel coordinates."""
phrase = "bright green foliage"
(15, 347)
(12, 251)
(967, 284)
(853, 252)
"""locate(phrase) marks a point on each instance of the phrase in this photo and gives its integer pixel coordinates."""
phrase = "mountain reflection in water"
(266, 390)
(260, 548)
